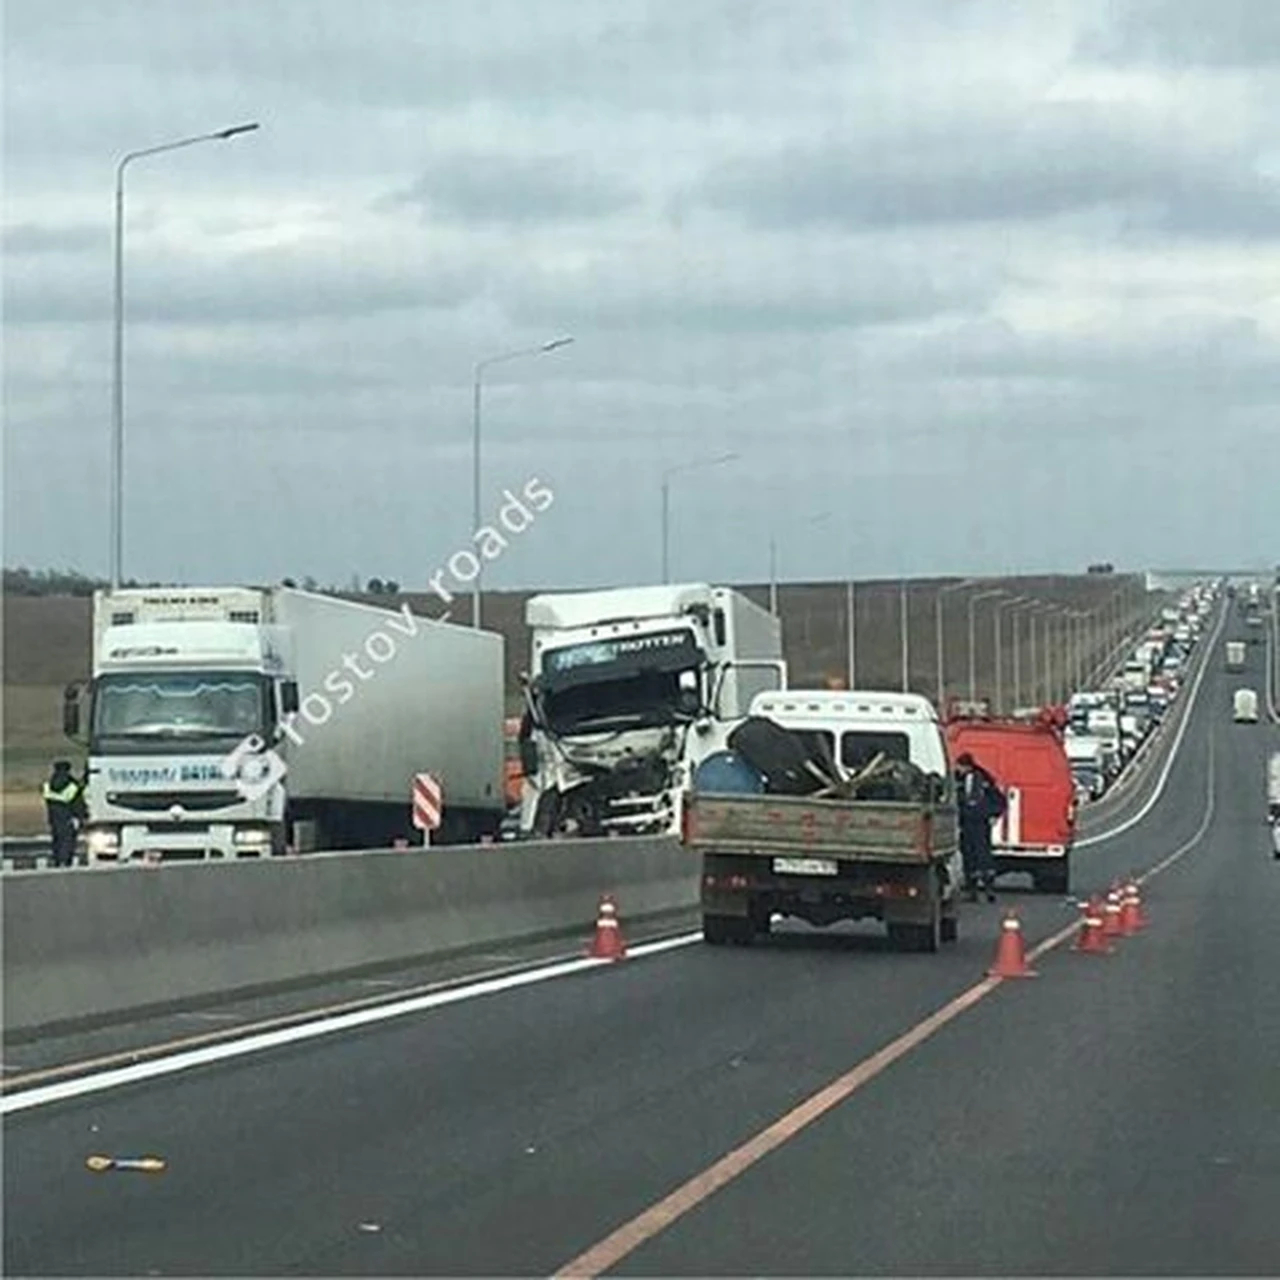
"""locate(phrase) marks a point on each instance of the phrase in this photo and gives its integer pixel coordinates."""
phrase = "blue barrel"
(727, 773)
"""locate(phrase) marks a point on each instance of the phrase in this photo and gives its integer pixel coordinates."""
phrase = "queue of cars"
(1106, 727)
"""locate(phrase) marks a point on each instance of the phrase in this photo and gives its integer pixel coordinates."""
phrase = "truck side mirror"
(71, 710)
(289, 703)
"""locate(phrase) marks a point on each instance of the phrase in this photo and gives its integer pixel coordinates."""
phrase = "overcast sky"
(990, 286)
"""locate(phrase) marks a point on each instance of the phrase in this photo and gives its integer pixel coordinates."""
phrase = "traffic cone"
(1131, 919)
(1092, 939)
(1111, 912)
(608, 944)
(1011, 953)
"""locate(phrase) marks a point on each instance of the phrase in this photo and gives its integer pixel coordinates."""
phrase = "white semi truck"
(627, 691)
(241, 721)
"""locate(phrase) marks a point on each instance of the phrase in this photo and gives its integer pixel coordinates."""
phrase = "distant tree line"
(70, 582)
(50, 582)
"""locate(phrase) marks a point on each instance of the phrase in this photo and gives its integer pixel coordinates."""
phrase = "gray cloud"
(250, 288)
(932, 250)
(1073, 163)
(489, 189)
(1204, 33)
(35, 238)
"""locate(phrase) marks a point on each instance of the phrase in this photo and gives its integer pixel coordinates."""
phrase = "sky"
(957, 286)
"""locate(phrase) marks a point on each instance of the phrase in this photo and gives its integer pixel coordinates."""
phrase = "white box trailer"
(433, 704)
(231, 721)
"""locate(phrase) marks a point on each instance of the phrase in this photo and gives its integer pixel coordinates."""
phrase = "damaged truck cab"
(829, 806)
(627, 690)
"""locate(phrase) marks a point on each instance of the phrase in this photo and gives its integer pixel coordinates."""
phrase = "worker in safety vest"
(64, 805)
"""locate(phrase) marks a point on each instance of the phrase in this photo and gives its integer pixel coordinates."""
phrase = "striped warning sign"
(428, 802)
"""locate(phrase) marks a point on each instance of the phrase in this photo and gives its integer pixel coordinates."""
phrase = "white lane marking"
(1193, 695)
(101, 1081)
(1211, 804)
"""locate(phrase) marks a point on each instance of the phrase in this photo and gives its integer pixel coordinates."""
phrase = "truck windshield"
(623, 682)
(164, 706)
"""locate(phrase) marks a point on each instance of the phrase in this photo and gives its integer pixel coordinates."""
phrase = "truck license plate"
(806, 866)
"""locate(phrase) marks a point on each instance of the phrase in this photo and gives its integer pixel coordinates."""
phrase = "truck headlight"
(252, 836)
(100, 842)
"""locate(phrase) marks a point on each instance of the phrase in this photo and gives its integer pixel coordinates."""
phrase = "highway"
(1116, 1115)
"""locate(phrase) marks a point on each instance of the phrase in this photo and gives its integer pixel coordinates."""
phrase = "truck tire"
(717, 930)
(761, 920)
(1054, 878)
(917, 937)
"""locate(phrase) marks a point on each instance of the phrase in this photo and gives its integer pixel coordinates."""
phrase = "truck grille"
(160, 801)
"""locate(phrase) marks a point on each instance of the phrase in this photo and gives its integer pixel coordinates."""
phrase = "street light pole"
(851, 628)
(973, 666)
(1016, 615)
(697, 464)
(773, 560)
(999, 639)
(476, 517)
(904, 634)
(938, 639)
(117, 346)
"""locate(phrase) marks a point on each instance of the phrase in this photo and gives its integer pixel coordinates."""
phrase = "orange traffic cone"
(1131, 920)
(1011, 953)
(608, 944)
(1092, 940)
(1111, 913)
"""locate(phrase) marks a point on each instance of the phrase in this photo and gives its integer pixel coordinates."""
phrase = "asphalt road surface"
(1115, 1115)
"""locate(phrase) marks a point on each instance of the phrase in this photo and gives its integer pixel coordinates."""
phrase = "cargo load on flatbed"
(829, 806)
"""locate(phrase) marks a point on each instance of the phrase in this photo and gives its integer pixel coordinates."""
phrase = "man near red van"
(980, 802)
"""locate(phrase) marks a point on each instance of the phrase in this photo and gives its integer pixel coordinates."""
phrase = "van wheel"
(1056, 880)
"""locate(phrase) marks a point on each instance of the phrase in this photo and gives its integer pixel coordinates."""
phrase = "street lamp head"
(237, 128)
(555, 343)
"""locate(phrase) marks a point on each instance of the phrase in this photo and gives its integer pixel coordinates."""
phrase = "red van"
(1029, 761)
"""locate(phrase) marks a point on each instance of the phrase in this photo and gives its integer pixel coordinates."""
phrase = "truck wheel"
(1056, 880)
(717, 930)
(916, 937)
(761, 921)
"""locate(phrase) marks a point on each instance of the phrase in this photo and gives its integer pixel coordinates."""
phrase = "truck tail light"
(726, 882)
(897, 891)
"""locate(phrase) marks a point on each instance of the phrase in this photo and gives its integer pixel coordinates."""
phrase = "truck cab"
(627, 690)
(182, 682)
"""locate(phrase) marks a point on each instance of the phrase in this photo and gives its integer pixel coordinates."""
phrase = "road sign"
(428, 802)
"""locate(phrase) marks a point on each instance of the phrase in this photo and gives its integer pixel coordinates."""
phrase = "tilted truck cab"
(627, 690)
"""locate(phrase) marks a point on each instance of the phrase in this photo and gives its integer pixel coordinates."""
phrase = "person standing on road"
(980, 803)
(64, 806)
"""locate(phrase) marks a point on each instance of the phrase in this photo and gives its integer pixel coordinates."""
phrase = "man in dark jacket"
(980, 803)
(64, 806)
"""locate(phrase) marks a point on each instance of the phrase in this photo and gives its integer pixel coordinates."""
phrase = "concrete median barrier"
(91, 946)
